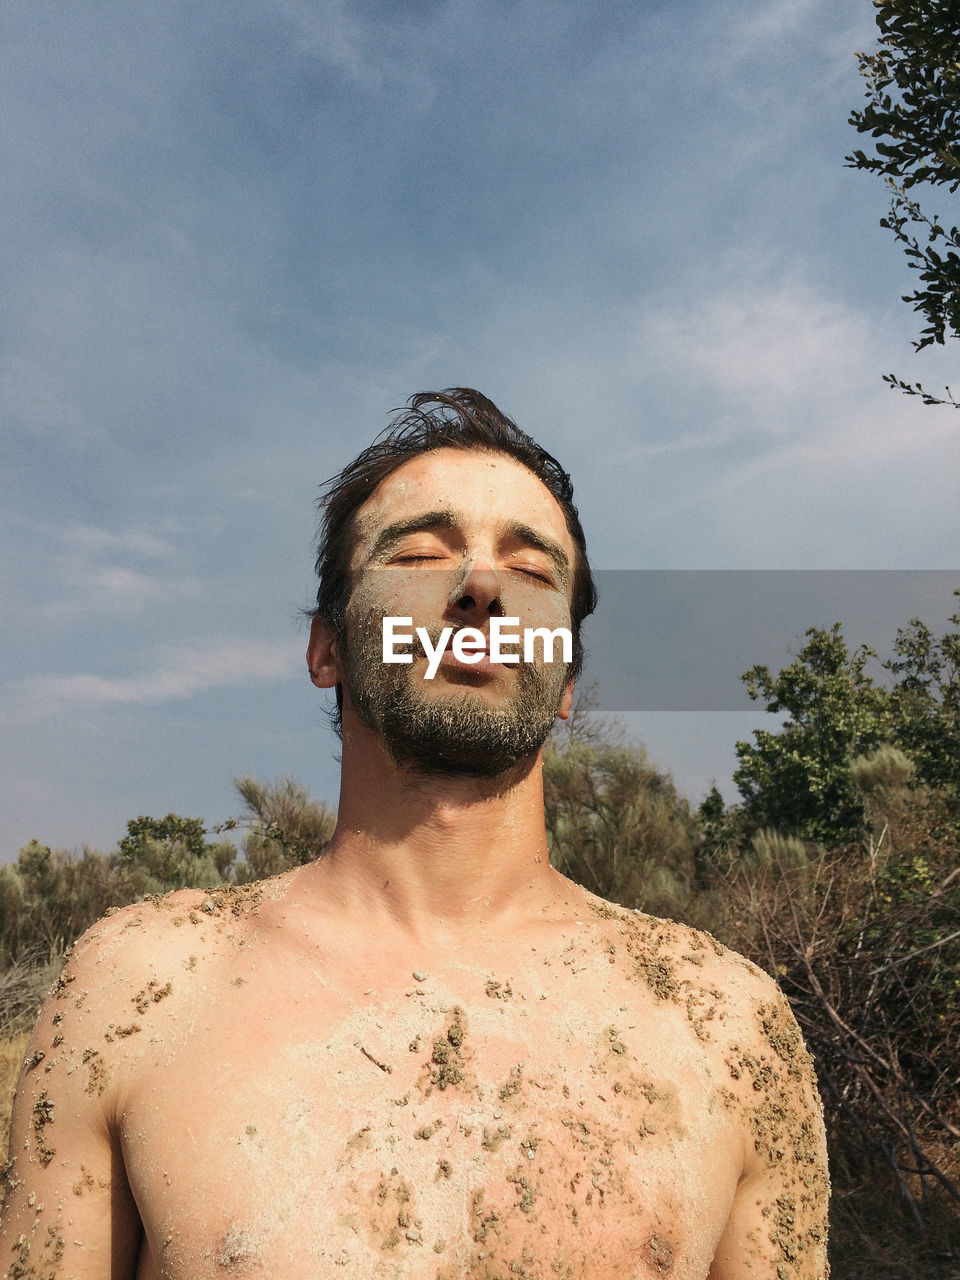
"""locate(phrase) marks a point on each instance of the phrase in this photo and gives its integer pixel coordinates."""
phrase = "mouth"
(481, 664)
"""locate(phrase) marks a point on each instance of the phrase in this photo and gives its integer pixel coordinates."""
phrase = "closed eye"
(540, 575)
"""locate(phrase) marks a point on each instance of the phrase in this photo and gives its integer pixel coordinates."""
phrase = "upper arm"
(68, 1208)
(778, 1223)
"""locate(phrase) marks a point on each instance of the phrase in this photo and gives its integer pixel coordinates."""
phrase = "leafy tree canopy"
(175, 851)
(926, 703)
(913, 113)
(803, 780)
(799, 780)
(187, 832)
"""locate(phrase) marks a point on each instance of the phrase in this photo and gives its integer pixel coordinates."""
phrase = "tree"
(926, 704)
(913, 109)
(806, 779)
(615, 823)
(49, 896)
(174, 852)
(285, 827)
(799, 780)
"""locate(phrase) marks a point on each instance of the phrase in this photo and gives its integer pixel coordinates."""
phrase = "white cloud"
(769, 346)
(772, 21)
(95, 575)
(115, 588)
(782, 362)
(91, 540)
(765, 437)
(52, 575)
(173, 673)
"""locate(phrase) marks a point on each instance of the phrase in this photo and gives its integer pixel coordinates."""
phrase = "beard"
(459, 735)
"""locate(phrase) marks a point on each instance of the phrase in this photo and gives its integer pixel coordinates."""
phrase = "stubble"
(458, 734)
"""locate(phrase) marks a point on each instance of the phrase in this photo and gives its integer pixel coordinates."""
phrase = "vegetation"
(839, 873)
(799, 780)
(285, 828)
(802, 779)
(913, 112)
(865, 943)
(615, 823)
(49, 897)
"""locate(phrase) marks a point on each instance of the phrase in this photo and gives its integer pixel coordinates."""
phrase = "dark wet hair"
(458, 418)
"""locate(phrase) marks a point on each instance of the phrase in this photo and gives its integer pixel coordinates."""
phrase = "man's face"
(452, 539)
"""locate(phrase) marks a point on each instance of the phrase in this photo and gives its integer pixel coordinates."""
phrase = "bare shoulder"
(123, 995)
(132, 958)
(759, 1064)
(762, 1076)
(123, 983)
(727, 997)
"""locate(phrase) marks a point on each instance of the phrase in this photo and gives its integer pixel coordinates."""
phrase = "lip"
(482, 666)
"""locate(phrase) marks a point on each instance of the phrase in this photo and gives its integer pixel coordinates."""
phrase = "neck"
(433, 856)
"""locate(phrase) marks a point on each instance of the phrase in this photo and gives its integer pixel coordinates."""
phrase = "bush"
(285, 827)
(867, 949)
(615, 823)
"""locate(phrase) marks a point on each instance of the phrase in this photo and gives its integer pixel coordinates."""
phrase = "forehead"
(485, 491)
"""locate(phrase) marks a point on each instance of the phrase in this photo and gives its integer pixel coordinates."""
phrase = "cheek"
(377, 596)
(421, 595)
(536, 608)
(424, 594)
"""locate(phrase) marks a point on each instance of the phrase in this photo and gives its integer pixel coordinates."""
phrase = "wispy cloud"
(772, 22)
(116, 588)
(785, 448)
(332, 34)
(174, 673)
(776, 361)
(88, 539)
(769, 346)
(391, 54)
(52, 575)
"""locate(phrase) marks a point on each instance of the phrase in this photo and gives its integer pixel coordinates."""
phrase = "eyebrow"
(444, 518)
(388, 538)
(540, 542)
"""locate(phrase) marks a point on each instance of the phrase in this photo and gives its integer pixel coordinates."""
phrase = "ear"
(323, 660)
(566, 702)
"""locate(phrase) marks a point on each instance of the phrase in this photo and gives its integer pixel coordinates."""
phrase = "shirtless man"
(427, 1055)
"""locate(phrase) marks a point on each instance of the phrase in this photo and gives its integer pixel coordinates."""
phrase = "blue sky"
(236, 235)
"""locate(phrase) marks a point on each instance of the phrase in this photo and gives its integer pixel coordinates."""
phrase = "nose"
(478, 593)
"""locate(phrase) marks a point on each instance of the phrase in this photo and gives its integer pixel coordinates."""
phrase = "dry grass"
(11, 1055)
(865, 947)
(22, 988)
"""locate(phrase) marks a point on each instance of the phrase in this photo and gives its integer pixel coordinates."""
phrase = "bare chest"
(446, 1127)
